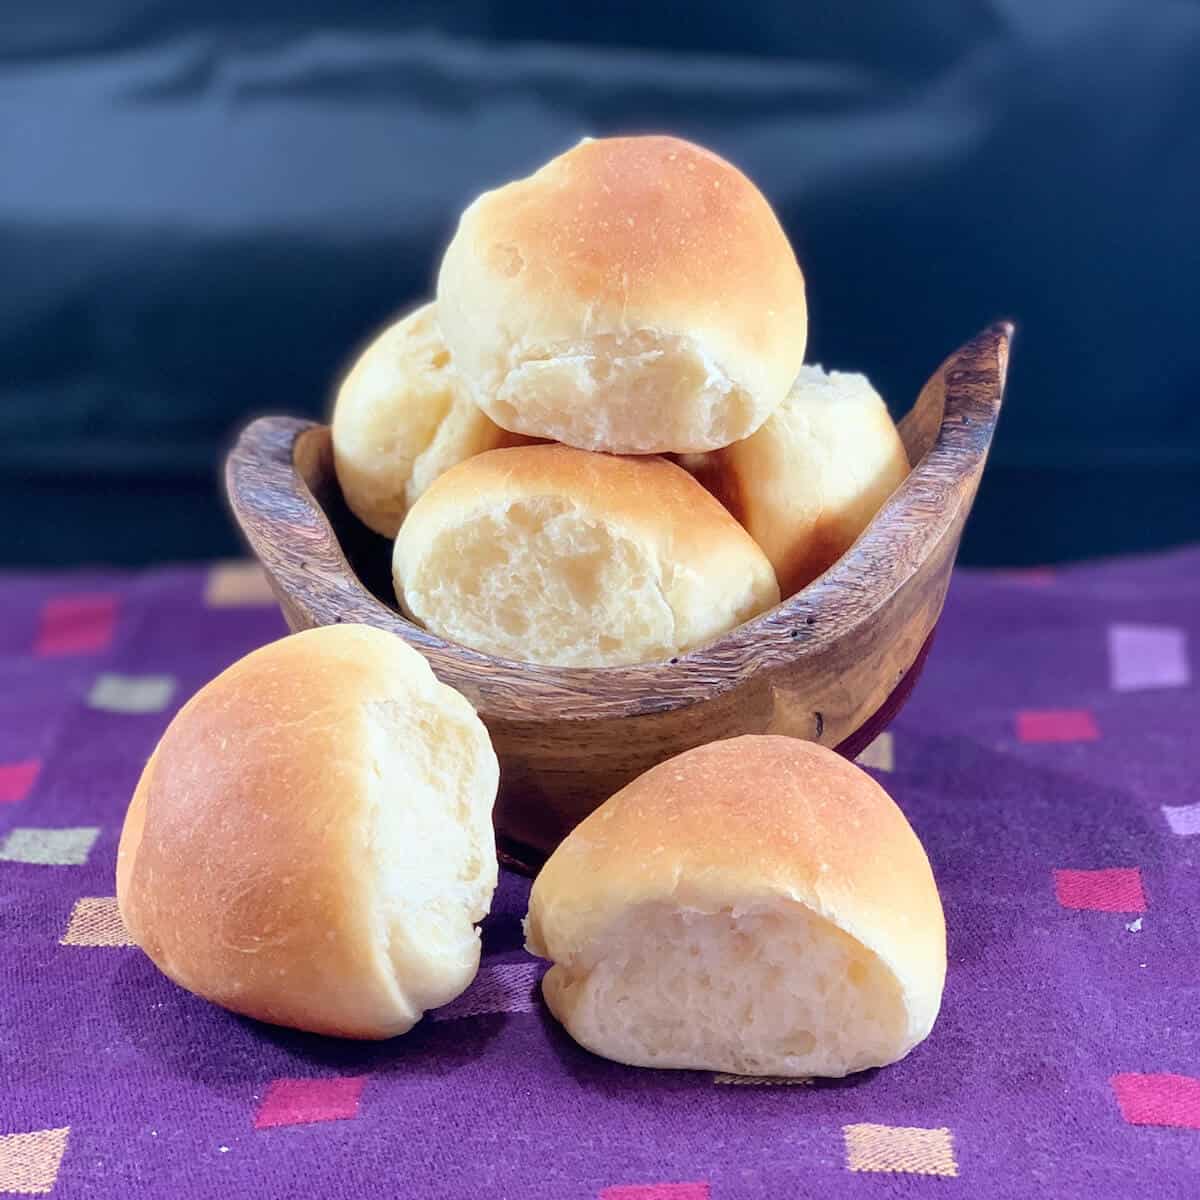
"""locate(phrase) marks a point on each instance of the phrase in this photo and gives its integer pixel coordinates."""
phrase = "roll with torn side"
(552, 555)
(635, 295)
(758, 906)
(402, 417)
(311, 842)
(812, 478)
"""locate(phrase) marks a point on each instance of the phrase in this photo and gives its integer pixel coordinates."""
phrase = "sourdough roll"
(311, 842)
(402, 417)
(635, 295)
(810, 480)
(758, 906)
(552, 555)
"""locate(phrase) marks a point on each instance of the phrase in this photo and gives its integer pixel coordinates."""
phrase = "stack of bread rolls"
(599, 445)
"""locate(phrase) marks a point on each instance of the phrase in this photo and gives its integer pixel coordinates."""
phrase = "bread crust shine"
(254, 862)
(635, 295)
(755, 824)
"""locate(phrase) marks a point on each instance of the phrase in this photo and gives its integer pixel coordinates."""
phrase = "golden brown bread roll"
(757, 906)
(403, 417)
(810, 480)
(311, 842)
(552, 555)
(635, 295)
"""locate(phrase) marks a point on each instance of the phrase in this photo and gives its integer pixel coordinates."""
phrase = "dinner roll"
(552, 555)
(635, 295)
(810, 480)
(311, 842)
(402, 417)
(757, 906)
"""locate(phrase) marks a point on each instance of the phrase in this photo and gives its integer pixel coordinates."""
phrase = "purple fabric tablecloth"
(1049, 760)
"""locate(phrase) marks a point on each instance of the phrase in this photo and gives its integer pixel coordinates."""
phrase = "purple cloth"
(1049, 760)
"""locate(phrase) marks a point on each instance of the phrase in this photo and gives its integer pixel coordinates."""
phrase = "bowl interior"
(328, 568)
(368, 554)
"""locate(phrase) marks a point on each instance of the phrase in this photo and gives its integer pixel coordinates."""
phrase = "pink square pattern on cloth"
(307, 1101)
(1112, 889)
(1172, 1100)
(1057, 725)
(17, 778)
(76, 625)
(656, 1191)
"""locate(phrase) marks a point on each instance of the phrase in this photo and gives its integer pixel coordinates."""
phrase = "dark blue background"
(205, 207)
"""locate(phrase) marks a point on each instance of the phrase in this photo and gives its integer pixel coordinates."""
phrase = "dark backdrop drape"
(205, 207)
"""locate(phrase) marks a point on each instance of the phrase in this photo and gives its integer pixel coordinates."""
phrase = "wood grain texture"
(820, 666)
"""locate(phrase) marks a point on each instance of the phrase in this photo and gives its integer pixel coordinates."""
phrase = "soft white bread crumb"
(757, 906)
(635, 295)
(810, 480)
(403, 417)
(311, 843)
(552, 555)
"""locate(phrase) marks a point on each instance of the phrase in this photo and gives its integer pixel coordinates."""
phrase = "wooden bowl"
(831, 664)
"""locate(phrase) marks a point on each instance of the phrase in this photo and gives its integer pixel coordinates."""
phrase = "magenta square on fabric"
(76, 625)
(1172, 1100)
(306, 1101)
(1112, 889)
(1057, 725)
(17, 778)
(656, 1191)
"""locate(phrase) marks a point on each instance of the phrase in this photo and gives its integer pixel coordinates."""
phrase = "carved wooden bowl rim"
(293, 537)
